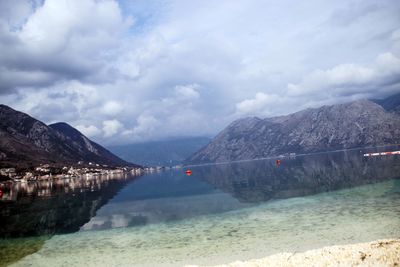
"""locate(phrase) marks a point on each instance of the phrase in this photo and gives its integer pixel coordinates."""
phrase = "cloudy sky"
(128, 71)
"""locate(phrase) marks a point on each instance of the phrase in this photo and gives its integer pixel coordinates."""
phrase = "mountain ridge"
(25, 140)
(342, 126)
(391, 104)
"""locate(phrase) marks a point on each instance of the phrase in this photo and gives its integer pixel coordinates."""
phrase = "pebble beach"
(385, 252)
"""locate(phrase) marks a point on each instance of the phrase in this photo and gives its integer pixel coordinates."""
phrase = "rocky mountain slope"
(87, 150)
(391, 104)
(350, 125)
(25, 140)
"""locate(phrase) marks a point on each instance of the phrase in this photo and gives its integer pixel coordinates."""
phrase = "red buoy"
(188, 172)
(278, 162)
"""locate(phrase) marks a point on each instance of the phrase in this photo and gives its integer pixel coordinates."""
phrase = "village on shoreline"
(41, 180)
(45, 172)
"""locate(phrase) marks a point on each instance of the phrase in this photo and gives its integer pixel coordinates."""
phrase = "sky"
(136, 70)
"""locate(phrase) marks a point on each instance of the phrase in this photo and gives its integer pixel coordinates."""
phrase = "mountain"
(26, 141)
(161, 153)
(391, 103)
(355, 124)
(84, 148)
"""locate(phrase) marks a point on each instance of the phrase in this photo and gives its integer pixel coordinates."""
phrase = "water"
(219, 214)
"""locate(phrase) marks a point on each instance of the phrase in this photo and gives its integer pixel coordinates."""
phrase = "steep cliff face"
(25, 140)
(355, 124)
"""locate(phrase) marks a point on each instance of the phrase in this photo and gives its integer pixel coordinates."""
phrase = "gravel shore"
(385, 252)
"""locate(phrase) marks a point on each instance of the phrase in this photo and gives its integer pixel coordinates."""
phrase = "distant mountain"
(26, 141)
(391, 103)
(350, 125)
(160, 153)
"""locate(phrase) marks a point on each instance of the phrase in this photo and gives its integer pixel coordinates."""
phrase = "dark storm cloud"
(57, 41)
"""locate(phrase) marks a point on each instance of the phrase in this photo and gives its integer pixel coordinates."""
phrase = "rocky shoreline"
(385, 252)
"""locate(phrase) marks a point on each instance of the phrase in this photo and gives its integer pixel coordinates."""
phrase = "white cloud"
(112, 108)
(347, 79)
(88, 131)
(187, 91)
(177, 111)
(256, 104)
(344, 82)
(111, 127)
(267, 105)
(388, 65)
(145, 125)
(151, 69)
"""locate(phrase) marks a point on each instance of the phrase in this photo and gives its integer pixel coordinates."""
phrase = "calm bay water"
(220, 213)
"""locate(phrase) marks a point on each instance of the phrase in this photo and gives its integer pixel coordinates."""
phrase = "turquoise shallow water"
(347, 216)
(219, 214)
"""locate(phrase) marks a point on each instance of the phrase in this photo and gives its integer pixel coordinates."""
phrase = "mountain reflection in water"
(52, 207)
(66, 206)
(262, 180)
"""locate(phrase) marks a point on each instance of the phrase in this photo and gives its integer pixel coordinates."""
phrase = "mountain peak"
(66, 129)
(342, 126)
(25, 140)
(61, 124)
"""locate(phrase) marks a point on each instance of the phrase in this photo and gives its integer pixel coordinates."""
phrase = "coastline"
(383, 252)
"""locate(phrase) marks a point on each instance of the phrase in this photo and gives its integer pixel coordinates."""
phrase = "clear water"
(219, 214)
